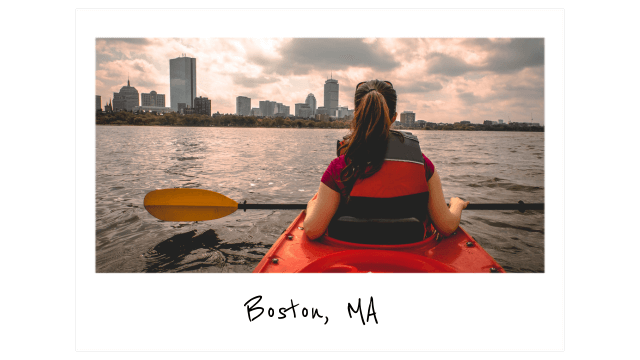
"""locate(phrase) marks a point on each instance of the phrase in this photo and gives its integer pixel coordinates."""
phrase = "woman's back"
(381, 183)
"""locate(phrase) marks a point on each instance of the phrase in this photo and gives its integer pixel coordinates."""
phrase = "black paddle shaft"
(520, 206)
(272, 206)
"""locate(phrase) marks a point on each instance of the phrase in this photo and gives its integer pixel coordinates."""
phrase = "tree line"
(482, 127)
(175, 119)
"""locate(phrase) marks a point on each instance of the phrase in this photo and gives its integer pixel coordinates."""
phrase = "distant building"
(302, 110)
(331, 96)
(202, 105)
(432, 124)
(182, 107)
(126, 99)
(152, 99)
(267, 108)
(421, 123)
(255, 112)
(322, 111)
(500, 121)
(311, 101)
(284, 109)
(182, 81)
(243, 105)
(306, 113)
(408, 118)
(344, 112)
(98, 103)
(465, 122)
(108, 107)
(487, 122)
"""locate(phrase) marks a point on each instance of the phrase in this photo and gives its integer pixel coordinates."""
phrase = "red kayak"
(294, 252)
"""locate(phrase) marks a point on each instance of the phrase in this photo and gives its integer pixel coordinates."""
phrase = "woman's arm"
(445, 219)
(320, 210)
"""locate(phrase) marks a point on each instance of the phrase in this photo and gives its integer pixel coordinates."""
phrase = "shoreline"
(536, 129)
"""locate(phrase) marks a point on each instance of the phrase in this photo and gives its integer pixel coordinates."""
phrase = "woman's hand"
(445, 219)
(456, 203)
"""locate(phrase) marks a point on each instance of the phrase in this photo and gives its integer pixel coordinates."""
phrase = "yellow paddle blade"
(188, 205)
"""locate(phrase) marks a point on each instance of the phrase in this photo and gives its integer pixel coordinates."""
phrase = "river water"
(264, 165)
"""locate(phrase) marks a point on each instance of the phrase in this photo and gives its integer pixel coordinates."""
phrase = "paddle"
(201, 205)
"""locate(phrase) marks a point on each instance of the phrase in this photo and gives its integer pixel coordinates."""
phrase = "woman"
(382, 177)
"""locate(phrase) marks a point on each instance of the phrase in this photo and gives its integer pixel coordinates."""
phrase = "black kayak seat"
(377, 231)
(351, 219)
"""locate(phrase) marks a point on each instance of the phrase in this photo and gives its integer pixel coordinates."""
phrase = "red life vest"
(391, 206)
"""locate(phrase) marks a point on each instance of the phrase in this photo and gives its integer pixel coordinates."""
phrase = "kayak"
(293, 252)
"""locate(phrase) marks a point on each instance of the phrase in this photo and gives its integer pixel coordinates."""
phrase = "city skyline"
(440, 80)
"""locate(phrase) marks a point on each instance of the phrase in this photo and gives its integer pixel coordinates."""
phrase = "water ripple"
(285, 166)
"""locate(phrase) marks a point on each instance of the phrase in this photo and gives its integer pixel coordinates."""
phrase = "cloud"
(469, 98)
(503, 56)
(419, 87)
(252, 82)
(301, 56)
(120, 41)
(506, 56)
(443, 64)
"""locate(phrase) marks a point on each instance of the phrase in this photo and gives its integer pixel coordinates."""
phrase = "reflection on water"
(285, 166)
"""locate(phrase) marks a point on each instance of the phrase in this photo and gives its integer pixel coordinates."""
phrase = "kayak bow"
(293, 252)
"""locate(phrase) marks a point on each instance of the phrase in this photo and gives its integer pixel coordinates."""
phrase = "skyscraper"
(243, 105)
(182, 81)
(311, 101)
(98, 102)
(331, 93)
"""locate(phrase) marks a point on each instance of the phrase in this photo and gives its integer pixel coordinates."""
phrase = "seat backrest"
(377, 231)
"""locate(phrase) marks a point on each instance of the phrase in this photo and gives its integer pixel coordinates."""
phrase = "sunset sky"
(441, 80)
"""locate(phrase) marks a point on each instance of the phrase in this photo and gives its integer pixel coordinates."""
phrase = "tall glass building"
(182, 81)
(331, 91)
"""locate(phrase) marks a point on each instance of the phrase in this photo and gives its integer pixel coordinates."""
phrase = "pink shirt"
(331, 176)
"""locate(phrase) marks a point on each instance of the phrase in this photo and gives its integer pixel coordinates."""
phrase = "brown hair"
(366, 145)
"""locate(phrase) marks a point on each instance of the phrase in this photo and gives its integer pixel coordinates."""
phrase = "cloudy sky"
(441, 80)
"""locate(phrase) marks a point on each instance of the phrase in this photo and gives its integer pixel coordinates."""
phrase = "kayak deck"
(293, 252)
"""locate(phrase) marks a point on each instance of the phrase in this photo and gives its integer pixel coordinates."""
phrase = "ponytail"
(366, 145)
